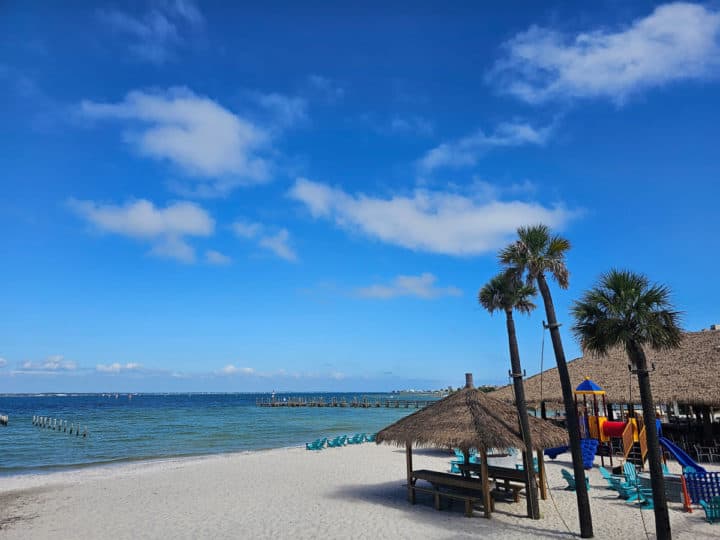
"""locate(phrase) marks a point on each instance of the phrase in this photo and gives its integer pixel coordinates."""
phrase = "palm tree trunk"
(533, 506)
(657, 482)
(583, 502)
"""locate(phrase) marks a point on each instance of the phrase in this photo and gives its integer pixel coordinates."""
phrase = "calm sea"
(150, 426)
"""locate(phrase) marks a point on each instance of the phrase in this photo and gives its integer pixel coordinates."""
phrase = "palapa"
(687, 375)
(469, 419)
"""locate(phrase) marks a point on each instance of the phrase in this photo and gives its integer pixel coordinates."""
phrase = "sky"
(266, 196)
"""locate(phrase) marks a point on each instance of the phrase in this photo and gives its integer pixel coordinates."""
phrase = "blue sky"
(204, 197)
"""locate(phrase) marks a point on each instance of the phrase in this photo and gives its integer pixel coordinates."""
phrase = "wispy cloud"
(201, 138)
(286, 110)
(677, 41)
(409, 125)
(165, 228)
(328, 88)
(422, 286)
(217, 258)
(118, 367)
(467, 151)
(52, 364)
(429, 221)
(3, 362)
(277, 242)
(232, 369)
(155, 35)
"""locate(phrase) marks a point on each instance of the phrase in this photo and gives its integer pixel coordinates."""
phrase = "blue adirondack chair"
(614, 481)
(371, 438)
(712, 509)
(570, 479)
(521, 466)
(316, 444)
(334, 443)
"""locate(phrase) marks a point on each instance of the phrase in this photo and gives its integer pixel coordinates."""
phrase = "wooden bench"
(450, 486)
(513, 480)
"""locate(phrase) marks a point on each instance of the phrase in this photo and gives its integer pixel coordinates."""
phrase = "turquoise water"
(151, 426)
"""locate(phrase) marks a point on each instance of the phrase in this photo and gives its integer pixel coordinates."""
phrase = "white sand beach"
(351, 492)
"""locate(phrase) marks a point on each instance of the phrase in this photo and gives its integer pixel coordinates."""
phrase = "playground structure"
(599, 432)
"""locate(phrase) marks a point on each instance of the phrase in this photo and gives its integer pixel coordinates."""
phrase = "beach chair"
(356, 439)
(614, 481)
(521, 466)
(712, 509)
(665, 469)
(371, 437)
(334, 443)
(570, 479)
(315, 445)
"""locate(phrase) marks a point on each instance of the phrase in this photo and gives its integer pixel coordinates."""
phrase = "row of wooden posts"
(4, 420)
(59, 425)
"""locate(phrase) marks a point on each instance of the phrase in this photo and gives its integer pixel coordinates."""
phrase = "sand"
(351, 492)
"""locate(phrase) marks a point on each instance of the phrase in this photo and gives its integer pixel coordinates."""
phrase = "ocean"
(153, 426)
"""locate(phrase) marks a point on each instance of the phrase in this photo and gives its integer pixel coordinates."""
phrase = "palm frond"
(624, 308)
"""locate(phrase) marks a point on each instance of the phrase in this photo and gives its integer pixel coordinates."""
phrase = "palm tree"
(534, 253)
(624, 309)
(506, 293)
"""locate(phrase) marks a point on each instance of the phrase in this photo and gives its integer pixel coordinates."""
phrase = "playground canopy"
(688, 375)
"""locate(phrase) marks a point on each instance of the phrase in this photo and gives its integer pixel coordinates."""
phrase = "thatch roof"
(689, 375)
(468, 419)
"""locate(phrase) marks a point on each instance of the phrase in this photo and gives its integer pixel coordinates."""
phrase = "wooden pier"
(355, 403)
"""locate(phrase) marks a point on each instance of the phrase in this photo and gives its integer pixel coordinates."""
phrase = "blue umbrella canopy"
(588, 386)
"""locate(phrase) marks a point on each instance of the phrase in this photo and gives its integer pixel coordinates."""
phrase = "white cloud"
(203, 139)
(277, 242)
(467, 151)
(677, 41)
(287, 110)
(415, 125)
(422, 286)
(117, 367)
(246, 230)
(327, 87)
(53, 363)
(217, 258)
(428, 221)
(231, 369)
(155, 35)
(166, 227)
(3, 362)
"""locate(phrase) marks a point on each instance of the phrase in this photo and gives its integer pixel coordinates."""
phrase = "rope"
(556, 507)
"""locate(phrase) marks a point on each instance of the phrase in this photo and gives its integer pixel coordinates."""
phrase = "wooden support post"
(408, 463)
(543, 410)
(541, 475)
(487, 503)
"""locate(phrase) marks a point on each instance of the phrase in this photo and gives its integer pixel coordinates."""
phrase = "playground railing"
(627, 438)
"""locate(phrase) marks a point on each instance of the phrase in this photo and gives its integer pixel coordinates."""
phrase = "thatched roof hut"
(688, 375)
(468, 419)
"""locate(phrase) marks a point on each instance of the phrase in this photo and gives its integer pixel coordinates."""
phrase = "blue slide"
(680, 455)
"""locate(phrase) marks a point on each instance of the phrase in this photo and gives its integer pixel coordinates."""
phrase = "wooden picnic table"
(451, 486)
(509, 478)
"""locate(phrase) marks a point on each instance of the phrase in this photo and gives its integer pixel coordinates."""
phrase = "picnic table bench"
(513, 480)
(450, 486)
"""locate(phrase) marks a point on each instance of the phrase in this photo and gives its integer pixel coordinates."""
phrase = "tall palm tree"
(624, 309)
(506, 293)
(535, 253)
